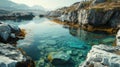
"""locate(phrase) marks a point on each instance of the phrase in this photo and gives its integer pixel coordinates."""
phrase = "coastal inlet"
(52, 44)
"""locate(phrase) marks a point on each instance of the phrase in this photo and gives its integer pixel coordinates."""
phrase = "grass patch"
(106, 6)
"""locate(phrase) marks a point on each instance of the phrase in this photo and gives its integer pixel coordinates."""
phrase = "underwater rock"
(58, 57)
(69, 51)
(50, 49)
(56, 36)
(74, 53)
(75, 45)
(42, 46)
(12, 57)
(41, 63)
(103, 55)
(108, 40)
(118, 38)
(42, 41)
(51, 42)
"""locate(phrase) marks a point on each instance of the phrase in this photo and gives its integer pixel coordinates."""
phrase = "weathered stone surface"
(118, 38)
(14, 29)
(84, 13)
(12, 57)
(8, 31)
(82, 17)
(5, 31)
(101, 55)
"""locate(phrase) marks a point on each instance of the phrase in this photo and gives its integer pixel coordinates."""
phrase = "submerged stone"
(42, 46)
(50, 49)
(42, 41)
(58, 57)
(108, 40)
(56, 36)
(75, 45)
(74, 53)
(51, 42)
(69, 52)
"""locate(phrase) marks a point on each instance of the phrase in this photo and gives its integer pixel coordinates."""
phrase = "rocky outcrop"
(103, 56)
(17, 16)
(97, 13)
(12, 57)
(68, 14)
(118, 38)
(9, 32)
(108, 18)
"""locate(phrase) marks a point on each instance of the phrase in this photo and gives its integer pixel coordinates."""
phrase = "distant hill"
(7, 5)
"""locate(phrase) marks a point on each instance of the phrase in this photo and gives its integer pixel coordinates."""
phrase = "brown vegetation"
(105, 6)
(22, 33)
(71, 24)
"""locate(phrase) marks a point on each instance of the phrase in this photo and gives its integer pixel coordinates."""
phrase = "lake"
(45, 36)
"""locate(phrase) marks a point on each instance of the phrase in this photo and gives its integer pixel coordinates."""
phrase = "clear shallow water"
(45, 36)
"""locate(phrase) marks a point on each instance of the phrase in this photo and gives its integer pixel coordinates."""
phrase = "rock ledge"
(103, 56)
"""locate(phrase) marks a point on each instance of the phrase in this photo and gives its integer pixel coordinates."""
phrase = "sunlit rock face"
(118, 38)
(12, 57)
(106, 18)
(82, 17)
(103, 56)
(95, 13)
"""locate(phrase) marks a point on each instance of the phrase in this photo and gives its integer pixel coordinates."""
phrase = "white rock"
(118, 38)
(10, 56)
(104, 56)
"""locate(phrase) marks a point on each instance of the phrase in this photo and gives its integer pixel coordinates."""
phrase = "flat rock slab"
(102, 55)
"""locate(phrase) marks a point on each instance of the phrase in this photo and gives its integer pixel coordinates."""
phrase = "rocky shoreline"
(10, 55)
(103, 56)
(17, 16)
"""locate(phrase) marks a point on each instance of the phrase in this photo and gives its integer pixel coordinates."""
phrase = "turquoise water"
(45, 36)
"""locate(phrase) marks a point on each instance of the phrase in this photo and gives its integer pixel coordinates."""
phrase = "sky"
(48, 4)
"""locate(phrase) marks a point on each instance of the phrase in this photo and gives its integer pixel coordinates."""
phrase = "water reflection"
(92, 38)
